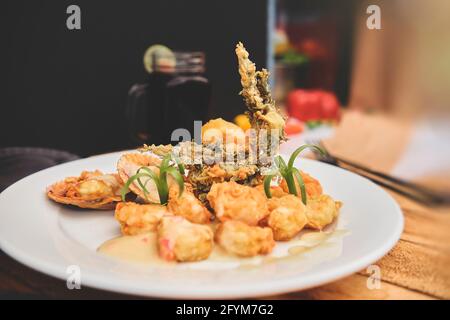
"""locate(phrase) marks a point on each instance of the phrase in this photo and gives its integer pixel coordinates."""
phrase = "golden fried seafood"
(276, 191)
(321, 211)
(92, 189)
(219, 130)
(243, 240)
(135, 218)
(128, 166)
(263, 113)
(232, 201)
(287, 217)
(187, 206)
(180, 240)
(203, 175)
(312, 185)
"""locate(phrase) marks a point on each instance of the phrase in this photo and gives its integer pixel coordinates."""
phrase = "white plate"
(49, 238)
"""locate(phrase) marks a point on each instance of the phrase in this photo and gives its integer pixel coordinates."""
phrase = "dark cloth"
(19, 162)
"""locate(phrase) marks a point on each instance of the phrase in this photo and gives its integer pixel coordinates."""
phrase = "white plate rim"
(258, 290)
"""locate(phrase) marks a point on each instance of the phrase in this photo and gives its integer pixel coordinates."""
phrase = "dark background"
(67, 89)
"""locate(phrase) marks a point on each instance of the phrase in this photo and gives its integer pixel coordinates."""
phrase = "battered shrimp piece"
(312, 185)
(187, 206)
(219, 130)
(276, 191)
(321, 211)
(242, 240)
(287, 217)
(92, 189)
(180, 240)
(233, 201)
(135, 218)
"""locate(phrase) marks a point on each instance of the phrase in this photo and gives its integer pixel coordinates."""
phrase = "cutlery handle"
(405, 188)
(388, 177)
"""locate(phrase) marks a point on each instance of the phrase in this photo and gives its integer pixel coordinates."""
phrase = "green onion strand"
(301, 184)
(267, 181)
(126, 187)
(179, 164)
(153, 176)
(290, 183)
(160, 179)
(280, 163)
(178, 178)
(290, 174)
(295, 154)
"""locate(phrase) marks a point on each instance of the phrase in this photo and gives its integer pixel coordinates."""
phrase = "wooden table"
(418, 267)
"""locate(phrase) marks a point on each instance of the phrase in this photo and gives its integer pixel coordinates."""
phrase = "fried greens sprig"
(262, 110)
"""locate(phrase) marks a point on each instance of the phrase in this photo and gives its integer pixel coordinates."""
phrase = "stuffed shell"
(92, 189)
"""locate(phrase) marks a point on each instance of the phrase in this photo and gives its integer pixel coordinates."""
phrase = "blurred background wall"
(313, 46)
(403, 69)
(68, 89)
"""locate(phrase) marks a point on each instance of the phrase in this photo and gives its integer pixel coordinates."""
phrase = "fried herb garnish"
(262, 110)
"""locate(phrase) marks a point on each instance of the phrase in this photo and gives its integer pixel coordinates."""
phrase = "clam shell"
(58, 193)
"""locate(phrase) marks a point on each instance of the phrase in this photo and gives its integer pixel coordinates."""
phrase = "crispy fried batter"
(240, 239)
(159, 150)
(92, 189)
(219, 130)
(181, 240)
(135, 218)
(287, 217)
(203, 176)
(227, 172)
(232, 201)
(187, 206)
(224, 172)
(263, 113)
(321, 211)
(312, 185)
(276, 191)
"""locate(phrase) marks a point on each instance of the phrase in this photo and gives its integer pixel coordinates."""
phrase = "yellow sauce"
(142, 249)
(138, 249)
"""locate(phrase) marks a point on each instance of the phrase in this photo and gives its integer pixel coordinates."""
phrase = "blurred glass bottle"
(175, 94)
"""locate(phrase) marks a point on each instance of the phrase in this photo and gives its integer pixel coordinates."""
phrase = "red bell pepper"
(308, 105)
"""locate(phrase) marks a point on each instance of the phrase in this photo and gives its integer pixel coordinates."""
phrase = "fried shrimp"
(92, 189)
(242, 240)
(312, 185)
(287, 217)
(135, 218)
(219, 130)
(187, 206)
(232, 201)
(179, 201)
(276, 191)
(180, 240)
(321, 211)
